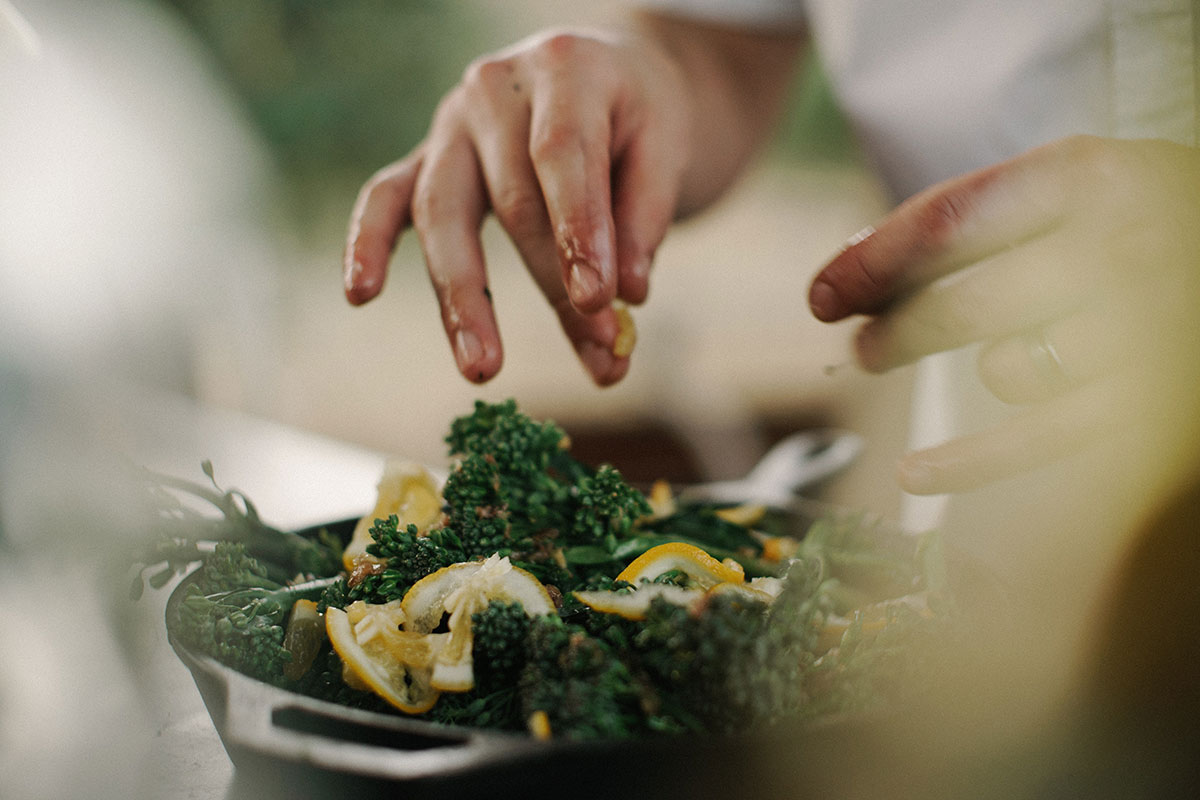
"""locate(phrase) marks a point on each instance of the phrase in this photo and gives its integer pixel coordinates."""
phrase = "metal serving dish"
(285, 744)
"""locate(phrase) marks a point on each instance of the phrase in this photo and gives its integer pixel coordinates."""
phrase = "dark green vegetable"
(235, 613)
(514, 490)
(578, 681)
(183, 535)
(728, 663)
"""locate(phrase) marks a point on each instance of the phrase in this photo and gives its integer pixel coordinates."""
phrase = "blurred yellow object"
(626, 338)
(409, 491)
(539, 726)
(746, 515)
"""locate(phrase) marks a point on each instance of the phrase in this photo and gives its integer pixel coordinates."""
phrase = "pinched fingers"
(563, 260)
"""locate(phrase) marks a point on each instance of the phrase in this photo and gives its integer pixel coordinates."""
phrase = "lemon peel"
(459, 591)
(703, 569)
(395, 664)
(635, 604)
(406, 489)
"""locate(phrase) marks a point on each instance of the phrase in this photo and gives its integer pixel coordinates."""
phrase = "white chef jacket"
(938, 88)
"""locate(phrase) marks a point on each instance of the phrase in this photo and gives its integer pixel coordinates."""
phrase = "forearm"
(738, 81)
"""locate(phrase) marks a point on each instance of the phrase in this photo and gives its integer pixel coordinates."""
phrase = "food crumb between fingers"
(626, 338)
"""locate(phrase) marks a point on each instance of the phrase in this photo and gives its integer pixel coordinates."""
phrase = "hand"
(577, 144)
(1077, 266)
(586, 147)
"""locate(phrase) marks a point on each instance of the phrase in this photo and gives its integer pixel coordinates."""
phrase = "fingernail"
(597, 358)
(823, 301)
(916, 476)
(468, 349)
(640, 269)
(585, 284)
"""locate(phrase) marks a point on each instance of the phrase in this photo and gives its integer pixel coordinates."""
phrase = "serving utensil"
(795, 463)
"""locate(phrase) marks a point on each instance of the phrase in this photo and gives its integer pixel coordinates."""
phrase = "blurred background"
(175, 180)
(179, 175)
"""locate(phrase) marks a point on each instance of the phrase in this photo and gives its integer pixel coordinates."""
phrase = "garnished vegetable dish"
(531, 592)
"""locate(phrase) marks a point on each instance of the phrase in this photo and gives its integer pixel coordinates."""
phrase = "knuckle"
(944, 214)
(427, 207)
(520, 210)
(955, 313)
(553, 139)
(487, 71)
(561, 47)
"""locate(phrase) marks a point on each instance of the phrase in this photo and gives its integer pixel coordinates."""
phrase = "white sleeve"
(751, 13)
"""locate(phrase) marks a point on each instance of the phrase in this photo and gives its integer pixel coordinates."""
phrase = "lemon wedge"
(461, 590)
(406, 489)
(377, 655)
(704, 570)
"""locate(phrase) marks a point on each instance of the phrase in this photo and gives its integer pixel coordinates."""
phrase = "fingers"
(557, 137)
(498, 115)
(380, 214)
(648, 177)
(569, 145)
(1000, 296)
(938, 231)
(1041, 435)
(1039, 364)
(448, 207)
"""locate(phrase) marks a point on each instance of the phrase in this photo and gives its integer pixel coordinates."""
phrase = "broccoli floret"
(499, 632)
(236, 614)
(407, 557)
(498, 654)
(483, 504)
(723, 669)
(579, 683)
(517, 491)
(733, 663)
(605, 505)
(514, 441)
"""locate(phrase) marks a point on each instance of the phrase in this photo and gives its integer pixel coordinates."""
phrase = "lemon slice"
(397, 665)
(409, 491)
(635, 604)
(461, 590)
(704, 570)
